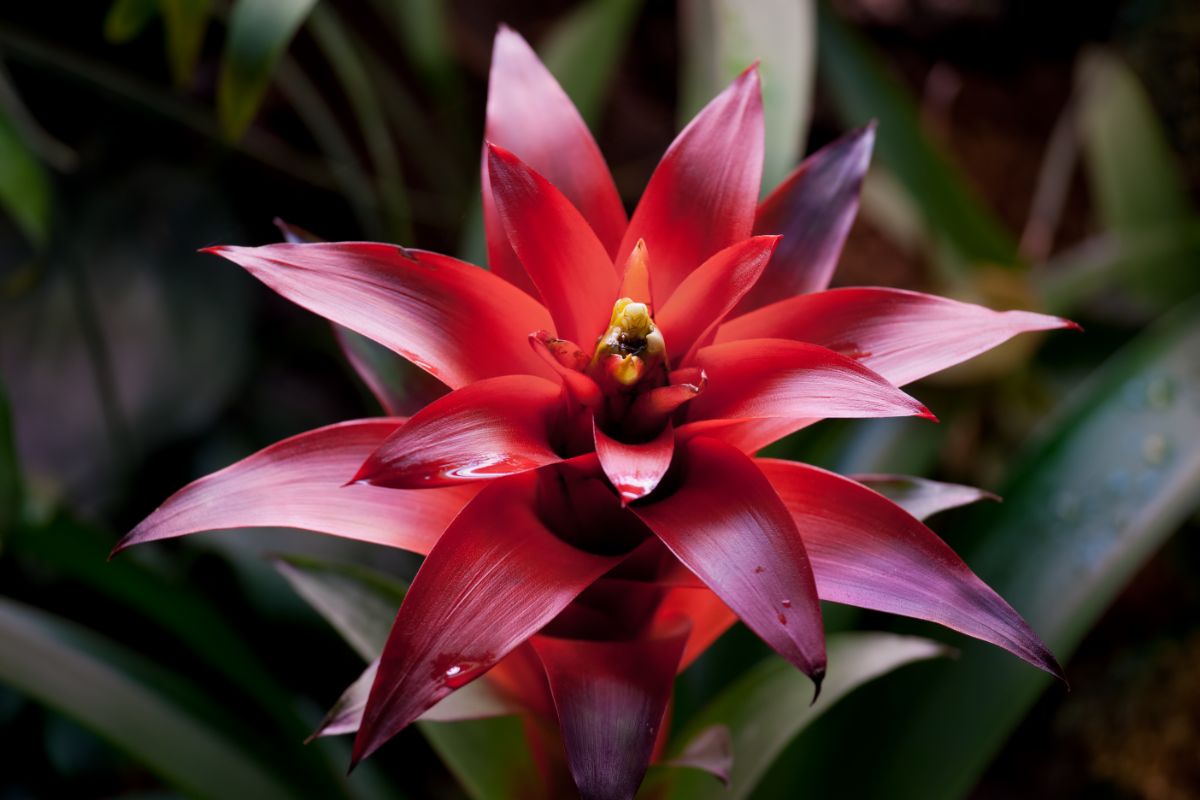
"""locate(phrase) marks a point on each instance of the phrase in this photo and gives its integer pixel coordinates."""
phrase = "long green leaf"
(770, 705)
(186, 22)
(1092, 503)
(72, 551)
(88, 679)
(359, 603)
(584, 48)
(723, 37)
(24, 184)
(1155, 260)
(127, 18)
(862, 89)
(422, 28)
(1136, 179)
(346, 54)
(258, 34)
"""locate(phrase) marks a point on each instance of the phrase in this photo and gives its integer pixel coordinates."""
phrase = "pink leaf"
(300, 483)
(561, 253)
(495, 578)
(457, 322)
(902, 335)
(529, 114)
(726, 524)
(703, 194)
(866, 551)
(492, 428)
(610, 697)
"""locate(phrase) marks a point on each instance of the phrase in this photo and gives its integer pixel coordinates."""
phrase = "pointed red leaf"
(813, 208)
(492, 428)
(457, 322)
(585, 390)
(635, 469)
(726, 524)
(922, 497)
(708, 294)
(703, 194)
(866, 551)
(529, 114)
(496, 577)
(635, 280)
(559, 250)
(611, 698)
(652, 409)
(764, 378)
(300, 483)
(902, 335)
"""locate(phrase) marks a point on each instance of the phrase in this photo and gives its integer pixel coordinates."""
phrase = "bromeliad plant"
(586, 495)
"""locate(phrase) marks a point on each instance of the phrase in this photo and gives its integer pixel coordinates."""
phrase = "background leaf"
(358, 602)
(863, 89)
(584, 48)
(24, 184)
(126, 314)
(186, 22)
(723, 37)
(770, 704)
(258, 34)
(127, 18)
(110, 691)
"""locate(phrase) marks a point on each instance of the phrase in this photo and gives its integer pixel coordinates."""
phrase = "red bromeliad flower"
(586, 494)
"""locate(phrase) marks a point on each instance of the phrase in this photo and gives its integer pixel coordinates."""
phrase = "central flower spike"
(632, 348)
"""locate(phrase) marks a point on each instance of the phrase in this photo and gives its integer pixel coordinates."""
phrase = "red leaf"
(652, 409)
(866, 551)
(492, 428)
(726, 524)
(300, 483)
(635, 469)
(529, 114)
(902, 335)
(611, 697)
(495, 578)
(813, 208)
(708, 294)
(457, 322)
(703, 194)
(561, 253)
(763, 378)
(585, 390)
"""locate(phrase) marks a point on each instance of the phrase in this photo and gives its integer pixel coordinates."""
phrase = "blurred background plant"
(1030, 155)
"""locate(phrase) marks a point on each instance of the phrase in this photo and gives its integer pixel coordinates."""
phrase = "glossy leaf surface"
(457, 322)
(488, 429)
(300, 483)
(726, 524)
